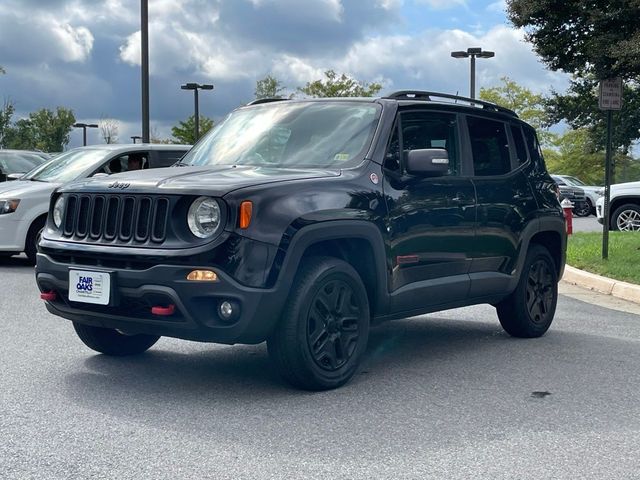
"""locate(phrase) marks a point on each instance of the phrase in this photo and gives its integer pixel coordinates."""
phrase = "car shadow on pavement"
(189, 376)
(15, 261)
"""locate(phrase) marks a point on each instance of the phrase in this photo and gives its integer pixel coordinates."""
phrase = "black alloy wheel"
(332, 325)
(540, 300)
(324, 327)
(528, 312)
(583, 209)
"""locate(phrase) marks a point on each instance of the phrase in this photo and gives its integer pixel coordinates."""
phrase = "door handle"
(460, 198)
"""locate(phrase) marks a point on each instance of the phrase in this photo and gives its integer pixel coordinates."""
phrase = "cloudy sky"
(85, 54)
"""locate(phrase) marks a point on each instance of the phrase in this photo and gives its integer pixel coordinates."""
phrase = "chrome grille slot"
(70, 215)
(143, 215)
(126, 218)
(97, 217)
(111, 224)
(160, 217)
(84, 210)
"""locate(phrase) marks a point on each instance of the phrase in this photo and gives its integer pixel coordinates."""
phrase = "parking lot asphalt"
(447, 395)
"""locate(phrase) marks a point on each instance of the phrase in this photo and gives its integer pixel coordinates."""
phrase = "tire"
(323, 332)
(584, 210)
(529, 310)
(111, 342)
(626, 218)
(33, 237)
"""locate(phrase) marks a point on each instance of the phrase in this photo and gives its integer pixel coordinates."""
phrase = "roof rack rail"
(265, 100)
(427, 96)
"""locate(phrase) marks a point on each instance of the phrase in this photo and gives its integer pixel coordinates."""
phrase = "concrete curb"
(608, 286)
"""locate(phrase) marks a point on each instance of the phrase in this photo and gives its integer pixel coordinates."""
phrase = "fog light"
(226, 310)
(202, 276)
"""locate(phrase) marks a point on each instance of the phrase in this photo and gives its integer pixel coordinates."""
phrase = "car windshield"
(67, 166)
(575, 181)
(19, 162)
(290, 134)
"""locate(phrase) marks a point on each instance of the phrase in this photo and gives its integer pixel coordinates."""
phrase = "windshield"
(67, 166)
(283, 134)
(19, 162)
(575, 181)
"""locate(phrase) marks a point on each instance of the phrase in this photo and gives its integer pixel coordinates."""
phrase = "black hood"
(216, 180)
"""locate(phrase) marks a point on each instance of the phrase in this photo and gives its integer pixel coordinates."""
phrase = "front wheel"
(583, 210)
(529, 310)
(112, 342)
(626, 218)
(323, 332)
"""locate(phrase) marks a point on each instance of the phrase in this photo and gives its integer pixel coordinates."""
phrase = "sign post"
(610, 99)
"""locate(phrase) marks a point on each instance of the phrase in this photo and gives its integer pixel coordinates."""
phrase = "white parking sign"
(610, 94)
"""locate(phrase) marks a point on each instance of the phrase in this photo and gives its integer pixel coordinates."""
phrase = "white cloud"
(498, 7)
(443, 4)
(74, 44)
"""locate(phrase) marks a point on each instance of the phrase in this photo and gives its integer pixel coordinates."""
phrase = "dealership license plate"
(89, 287)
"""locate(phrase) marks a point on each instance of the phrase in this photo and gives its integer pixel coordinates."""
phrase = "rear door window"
(521, 148)
(489, 146)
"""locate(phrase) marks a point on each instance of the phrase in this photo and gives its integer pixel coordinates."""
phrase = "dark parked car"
(303, 223)
(575, 195)
(15, 162)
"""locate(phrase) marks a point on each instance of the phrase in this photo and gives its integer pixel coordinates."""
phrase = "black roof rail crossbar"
(265, 100)
(422, 95)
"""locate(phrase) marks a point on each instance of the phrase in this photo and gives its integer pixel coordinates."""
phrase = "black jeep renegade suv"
(303, 222)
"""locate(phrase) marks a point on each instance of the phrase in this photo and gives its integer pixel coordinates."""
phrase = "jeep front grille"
(128, 219)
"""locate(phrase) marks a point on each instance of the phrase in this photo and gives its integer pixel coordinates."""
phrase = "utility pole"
(144, 40)
(472, 53)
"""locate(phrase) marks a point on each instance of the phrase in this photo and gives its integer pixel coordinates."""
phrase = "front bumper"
(135, 292)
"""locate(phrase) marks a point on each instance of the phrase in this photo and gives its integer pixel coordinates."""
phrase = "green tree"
(269, 87)
(598, 37)
(334, 85)
(579, 108)
(574, 153)
(530, 107)
(185, 131)
(44, 130)
(5, 122)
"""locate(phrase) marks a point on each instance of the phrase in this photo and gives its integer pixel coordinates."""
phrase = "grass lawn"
(584, 251)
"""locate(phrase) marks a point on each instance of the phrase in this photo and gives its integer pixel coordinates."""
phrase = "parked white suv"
(624, 207)
(592, 192)
(24, 203)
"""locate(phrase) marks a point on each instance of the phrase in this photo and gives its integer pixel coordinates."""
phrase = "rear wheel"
(324, 329)
(112, 342)
(626, 218)
(529, 310)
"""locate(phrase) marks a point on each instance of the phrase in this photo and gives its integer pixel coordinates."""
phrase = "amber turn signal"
(202, 276)
(246, 208)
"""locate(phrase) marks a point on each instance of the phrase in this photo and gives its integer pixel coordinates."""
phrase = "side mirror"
(100, 174)
(428, 162)
(15, 176)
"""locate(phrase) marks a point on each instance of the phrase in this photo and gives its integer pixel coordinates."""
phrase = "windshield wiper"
(180, 163)
(32, 179)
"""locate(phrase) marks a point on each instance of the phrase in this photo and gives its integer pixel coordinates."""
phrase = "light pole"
(195, 87)
(84, 127)
(136, 137)
(473, 53)
(144, 67)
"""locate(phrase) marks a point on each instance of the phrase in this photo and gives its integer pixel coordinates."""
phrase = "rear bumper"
(135, 292)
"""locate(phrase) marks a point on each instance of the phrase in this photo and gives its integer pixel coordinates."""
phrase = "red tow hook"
(164, 311)
(48, 296)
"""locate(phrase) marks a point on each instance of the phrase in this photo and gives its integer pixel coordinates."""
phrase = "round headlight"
(204, 217)
(58, 211)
